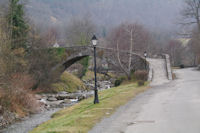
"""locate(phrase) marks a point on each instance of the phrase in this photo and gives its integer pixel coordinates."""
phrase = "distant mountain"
(157, 14)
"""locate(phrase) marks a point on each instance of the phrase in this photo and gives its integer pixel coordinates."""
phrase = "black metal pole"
(96, 98)
(145, 62)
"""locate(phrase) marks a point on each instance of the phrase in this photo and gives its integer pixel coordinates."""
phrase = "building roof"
(56, 45)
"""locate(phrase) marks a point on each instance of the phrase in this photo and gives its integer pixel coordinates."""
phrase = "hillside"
(160, 14)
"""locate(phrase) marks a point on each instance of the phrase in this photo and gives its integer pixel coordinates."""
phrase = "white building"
(56, 45)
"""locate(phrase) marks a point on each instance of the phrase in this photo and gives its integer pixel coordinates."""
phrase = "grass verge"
(81, 117)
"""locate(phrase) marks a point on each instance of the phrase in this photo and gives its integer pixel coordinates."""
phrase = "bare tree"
(191, 13)
(175, 49)
(194, 46)
(131, 37)
(79, 31)
(42, 59)
(51, 36)
(128, 37)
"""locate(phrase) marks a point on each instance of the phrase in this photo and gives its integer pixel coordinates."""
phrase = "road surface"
(172, 107)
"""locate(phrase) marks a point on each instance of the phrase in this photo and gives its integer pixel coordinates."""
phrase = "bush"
(182, 66)
(141, 83)
(198, 67)
(118, 82)
(141, 75)
(16, 96)
(19, 101)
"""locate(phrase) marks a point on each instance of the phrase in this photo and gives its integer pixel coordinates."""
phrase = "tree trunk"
(131, 49)
(121, 66)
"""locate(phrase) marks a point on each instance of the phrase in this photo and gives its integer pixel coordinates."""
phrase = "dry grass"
(90, 76)
(84, 115)
(17, 97)
(68, 82)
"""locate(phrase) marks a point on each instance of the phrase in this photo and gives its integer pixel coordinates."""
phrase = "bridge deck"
(159, 71)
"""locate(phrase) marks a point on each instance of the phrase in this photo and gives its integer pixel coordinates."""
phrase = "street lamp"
(145, 55)
(94, 43)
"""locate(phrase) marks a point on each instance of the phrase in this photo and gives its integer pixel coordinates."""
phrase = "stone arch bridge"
(76, 53)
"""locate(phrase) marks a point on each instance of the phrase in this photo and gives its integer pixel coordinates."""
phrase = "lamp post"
(94, 43)
(145, 55)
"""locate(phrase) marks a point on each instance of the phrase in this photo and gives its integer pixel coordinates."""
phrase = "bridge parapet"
(168, 66)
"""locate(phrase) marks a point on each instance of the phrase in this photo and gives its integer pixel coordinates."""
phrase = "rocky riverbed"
(52, 103)
(62, 99)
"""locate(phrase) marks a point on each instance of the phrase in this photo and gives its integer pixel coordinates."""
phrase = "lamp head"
(145, 54)
(94, 40)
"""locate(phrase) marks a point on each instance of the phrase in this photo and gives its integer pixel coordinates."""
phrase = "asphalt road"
(172, 107)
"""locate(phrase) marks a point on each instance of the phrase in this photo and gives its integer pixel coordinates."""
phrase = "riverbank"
(84, 115)
(51, 103)
(29, 123)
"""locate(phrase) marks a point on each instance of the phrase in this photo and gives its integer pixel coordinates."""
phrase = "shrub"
(16, 96)
(19, 101)
(118, 82)
(140, 83)
(4, 102)
(24, 99)
(182, 66)
(141, 75)
(198, 67)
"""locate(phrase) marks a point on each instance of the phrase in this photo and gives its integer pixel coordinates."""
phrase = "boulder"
(52, 99)
(82, 97)
(74, 96)
(67, 96)
(55, 104)
(62, 96)
(66, 101)
(63, 92)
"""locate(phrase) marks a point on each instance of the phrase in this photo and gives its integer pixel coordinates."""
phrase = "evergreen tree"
(17, 24)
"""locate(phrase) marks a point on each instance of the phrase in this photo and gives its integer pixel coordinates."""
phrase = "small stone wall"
(150, 76)
(168, 66)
